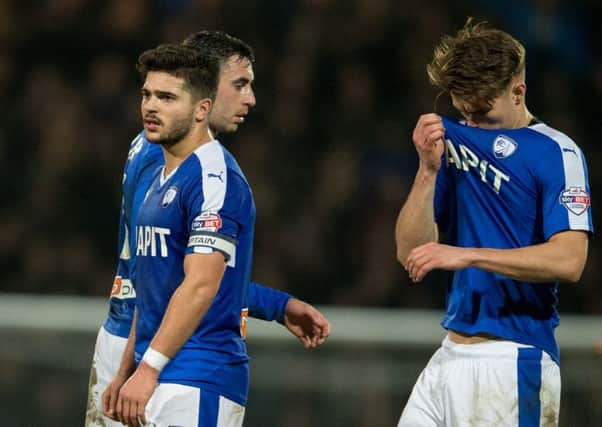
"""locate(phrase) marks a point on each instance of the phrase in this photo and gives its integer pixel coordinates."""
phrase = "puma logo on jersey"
(215, 175)
(150, 241)
(569, 150)
(467, 160)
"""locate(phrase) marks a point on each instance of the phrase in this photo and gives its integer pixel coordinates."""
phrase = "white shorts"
(105, 364)
(177, 405)
(493, 383)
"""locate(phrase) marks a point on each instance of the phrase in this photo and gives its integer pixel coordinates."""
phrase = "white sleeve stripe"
(215, 176)
(574, 171)
(125, 249)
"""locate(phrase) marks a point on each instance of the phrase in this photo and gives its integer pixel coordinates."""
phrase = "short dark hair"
(476, 64)
(219, 46)
(199, 72)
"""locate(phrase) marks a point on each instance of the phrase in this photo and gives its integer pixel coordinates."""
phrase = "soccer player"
(193, 257)
(512, 196)
(233, 100)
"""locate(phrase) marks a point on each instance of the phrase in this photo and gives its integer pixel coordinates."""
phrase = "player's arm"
(301, 319)
(187, 307)
(561, 258)
(126, 367)
(416, 223)
(266, 303)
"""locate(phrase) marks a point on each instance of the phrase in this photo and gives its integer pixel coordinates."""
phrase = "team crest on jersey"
(207, 221)
(504, 146)
(575, 199)
(170, 195)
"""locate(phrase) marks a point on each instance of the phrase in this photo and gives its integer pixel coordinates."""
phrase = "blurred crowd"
(328, 150)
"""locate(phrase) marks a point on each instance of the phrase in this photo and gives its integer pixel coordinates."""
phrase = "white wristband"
(155, 359)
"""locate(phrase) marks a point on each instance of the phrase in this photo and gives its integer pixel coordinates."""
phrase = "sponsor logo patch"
(122, 288)
(207, 221)
(504, 146)
(575, 199)
(170, 195)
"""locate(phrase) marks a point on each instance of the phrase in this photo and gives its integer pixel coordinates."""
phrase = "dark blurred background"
(328, 152)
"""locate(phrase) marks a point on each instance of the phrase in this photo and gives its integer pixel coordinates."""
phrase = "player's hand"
(428, 141)
(430, 256)
(306, 323)
(134, 395)
(109, 397)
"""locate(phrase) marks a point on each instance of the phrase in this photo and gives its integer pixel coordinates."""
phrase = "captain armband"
(207, 239)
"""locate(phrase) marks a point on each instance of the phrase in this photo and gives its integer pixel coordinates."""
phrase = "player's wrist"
(427, 171)
(155, 359)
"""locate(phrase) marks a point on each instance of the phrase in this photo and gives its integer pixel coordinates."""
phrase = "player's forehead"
(163, 81)
(236, 67)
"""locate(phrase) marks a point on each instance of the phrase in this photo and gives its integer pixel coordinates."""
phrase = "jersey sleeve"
(214, 214)
(564, 186)
(266, 303)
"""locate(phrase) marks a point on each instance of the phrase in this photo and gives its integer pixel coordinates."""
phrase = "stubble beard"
(176, 133)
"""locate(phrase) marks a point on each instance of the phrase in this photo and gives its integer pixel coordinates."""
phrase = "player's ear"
(519, 90)
(202, 109)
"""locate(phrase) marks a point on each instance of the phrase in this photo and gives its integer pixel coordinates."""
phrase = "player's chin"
(152, 137)
(230, 128)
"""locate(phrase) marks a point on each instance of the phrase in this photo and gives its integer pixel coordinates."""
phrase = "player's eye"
(241, 84)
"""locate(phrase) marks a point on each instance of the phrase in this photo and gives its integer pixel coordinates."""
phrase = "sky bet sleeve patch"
(575, 199)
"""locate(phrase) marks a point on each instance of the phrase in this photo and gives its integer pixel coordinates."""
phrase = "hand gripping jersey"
(143, 160)
(507, 189)
(204, 205)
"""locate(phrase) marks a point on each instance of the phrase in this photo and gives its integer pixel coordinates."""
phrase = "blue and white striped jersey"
(143, 160)
(204, 205)
(508, 188)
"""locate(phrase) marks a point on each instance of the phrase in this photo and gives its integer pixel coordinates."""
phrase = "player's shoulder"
(213, 158)
(141, 150)
(553, 139)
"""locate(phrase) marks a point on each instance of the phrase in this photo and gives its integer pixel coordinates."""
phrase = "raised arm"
(416, 223)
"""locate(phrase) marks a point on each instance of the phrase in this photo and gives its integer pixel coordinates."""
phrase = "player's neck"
(521, 119)
(175, 154)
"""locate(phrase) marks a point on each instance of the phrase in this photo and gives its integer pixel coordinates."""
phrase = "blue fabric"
(529, 386)
(266, 303)
(208, 184)
(506, 189)
(209, 408)
(143, 161)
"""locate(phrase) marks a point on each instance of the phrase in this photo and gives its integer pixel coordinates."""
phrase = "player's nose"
(250, 99)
